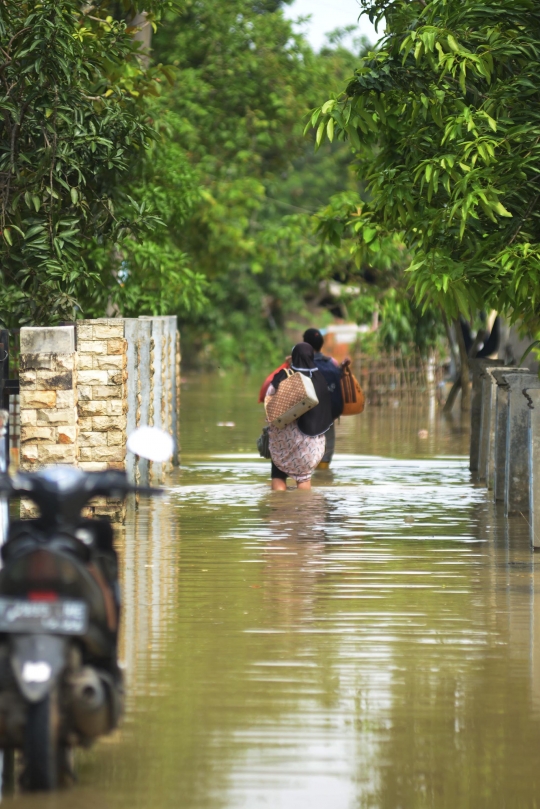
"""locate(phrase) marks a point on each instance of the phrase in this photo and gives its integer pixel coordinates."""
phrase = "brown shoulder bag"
(353, 397)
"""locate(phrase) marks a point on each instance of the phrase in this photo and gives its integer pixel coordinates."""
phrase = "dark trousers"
(330, 437)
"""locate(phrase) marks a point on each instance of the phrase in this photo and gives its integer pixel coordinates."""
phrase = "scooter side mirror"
(151, 443)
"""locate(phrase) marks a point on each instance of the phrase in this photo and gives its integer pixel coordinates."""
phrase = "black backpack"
(332, 375)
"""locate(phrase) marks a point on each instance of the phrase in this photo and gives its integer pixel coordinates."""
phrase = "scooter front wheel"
(41, 744)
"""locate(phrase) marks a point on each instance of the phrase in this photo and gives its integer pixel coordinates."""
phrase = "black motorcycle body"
(60, 683)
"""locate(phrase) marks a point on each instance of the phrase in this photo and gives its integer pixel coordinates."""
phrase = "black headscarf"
(319, 419)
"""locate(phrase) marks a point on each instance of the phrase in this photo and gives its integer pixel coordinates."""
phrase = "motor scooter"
(60, 682)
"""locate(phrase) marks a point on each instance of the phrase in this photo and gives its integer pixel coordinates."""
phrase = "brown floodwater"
(371, 644)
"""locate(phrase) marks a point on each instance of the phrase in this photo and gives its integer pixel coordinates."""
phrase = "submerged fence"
(398, 377)
(505, 438)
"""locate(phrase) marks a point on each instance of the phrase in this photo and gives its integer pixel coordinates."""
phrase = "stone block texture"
(48, 381)
(48, 376)
(84, 388)
(101, 389)
(101, 395)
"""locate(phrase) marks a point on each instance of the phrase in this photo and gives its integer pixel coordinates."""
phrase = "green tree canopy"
(241, 75)
(72, 119)
(444, 121)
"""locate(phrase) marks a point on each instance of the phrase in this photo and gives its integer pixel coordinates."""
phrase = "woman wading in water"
(297, 449)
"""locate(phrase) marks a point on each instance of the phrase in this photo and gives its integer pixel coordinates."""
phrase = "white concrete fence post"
(484, 393)
(501, 425)
(533, 401)
(491, 414)
(4, 463)
(516, 490)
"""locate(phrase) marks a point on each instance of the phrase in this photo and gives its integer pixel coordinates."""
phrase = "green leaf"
(500, 209)
(528, 351)
(330, 130)
(368, 234)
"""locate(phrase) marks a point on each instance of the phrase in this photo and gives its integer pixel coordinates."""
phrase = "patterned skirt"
(296, 454)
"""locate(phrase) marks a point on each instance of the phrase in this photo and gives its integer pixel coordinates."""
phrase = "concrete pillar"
(490, 424)
(501, 428)
(166, 398)
(143, 391)
(169, 382)
(4, 463)
(516, 489)
(476, 415)
(484, 385)
(138, 334)
(501, 422)
(131, 331)
(156, 404)
(178, 360)
(533, 400)
(172, 428)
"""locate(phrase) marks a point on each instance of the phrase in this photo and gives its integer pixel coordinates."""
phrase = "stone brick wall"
(101, 389)
(84, 387)
(48, 397)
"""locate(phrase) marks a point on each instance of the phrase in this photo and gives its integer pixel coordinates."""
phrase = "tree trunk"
(449, 404)
(464, 370)
(144, 36)
(451, 344)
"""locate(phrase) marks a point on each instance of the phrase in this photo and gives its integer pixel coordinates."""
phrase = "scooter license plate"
(64, 617)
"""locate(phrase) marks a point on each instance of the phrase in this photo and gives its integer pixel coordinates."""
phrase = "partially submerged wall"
(85, 387)
(48, 397)
(101, 394)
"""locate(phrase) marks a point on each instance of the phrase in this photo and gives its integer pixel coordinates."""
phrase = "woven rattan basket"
(294, 397)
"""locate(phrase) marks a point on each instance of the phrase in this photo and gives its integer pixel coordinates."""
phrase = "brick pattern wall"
(101, 390)
(75, 395)
(48, 409)
(102, 404)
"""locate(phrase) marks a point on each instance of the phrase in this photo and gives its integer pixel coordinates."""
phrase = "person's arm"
(342, 365)
(269, 378)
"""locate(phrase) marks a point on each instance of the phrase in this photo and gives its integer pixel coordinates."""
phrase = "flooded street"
(373, 643)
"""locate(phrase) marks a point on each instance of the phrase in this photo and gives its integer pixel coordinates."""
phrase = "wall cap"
(48, 340)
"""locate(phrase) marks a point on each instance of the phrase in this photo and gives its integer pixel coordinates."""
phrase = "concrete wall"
(84, 388)
(510, 434)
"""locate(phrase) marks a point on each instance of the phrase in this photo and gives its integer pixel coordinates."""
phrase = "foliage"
(188, 188)
(241, 74)
(148, 272)
(444, 121)
(375, 279)
(72, 120)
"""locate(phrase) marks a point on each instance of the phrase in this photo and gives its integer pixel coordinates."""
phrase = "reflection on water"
(372, 643)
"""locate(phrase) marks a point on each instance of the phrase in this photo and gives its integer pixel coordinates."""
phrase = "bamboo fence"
(398, 377)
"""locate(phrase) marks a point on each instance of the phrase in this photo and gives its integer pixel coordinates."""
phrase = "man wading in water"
(332, 372)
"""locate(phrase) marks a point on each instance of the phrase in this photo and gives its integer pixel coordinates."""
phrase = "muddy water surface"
(372, 643)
